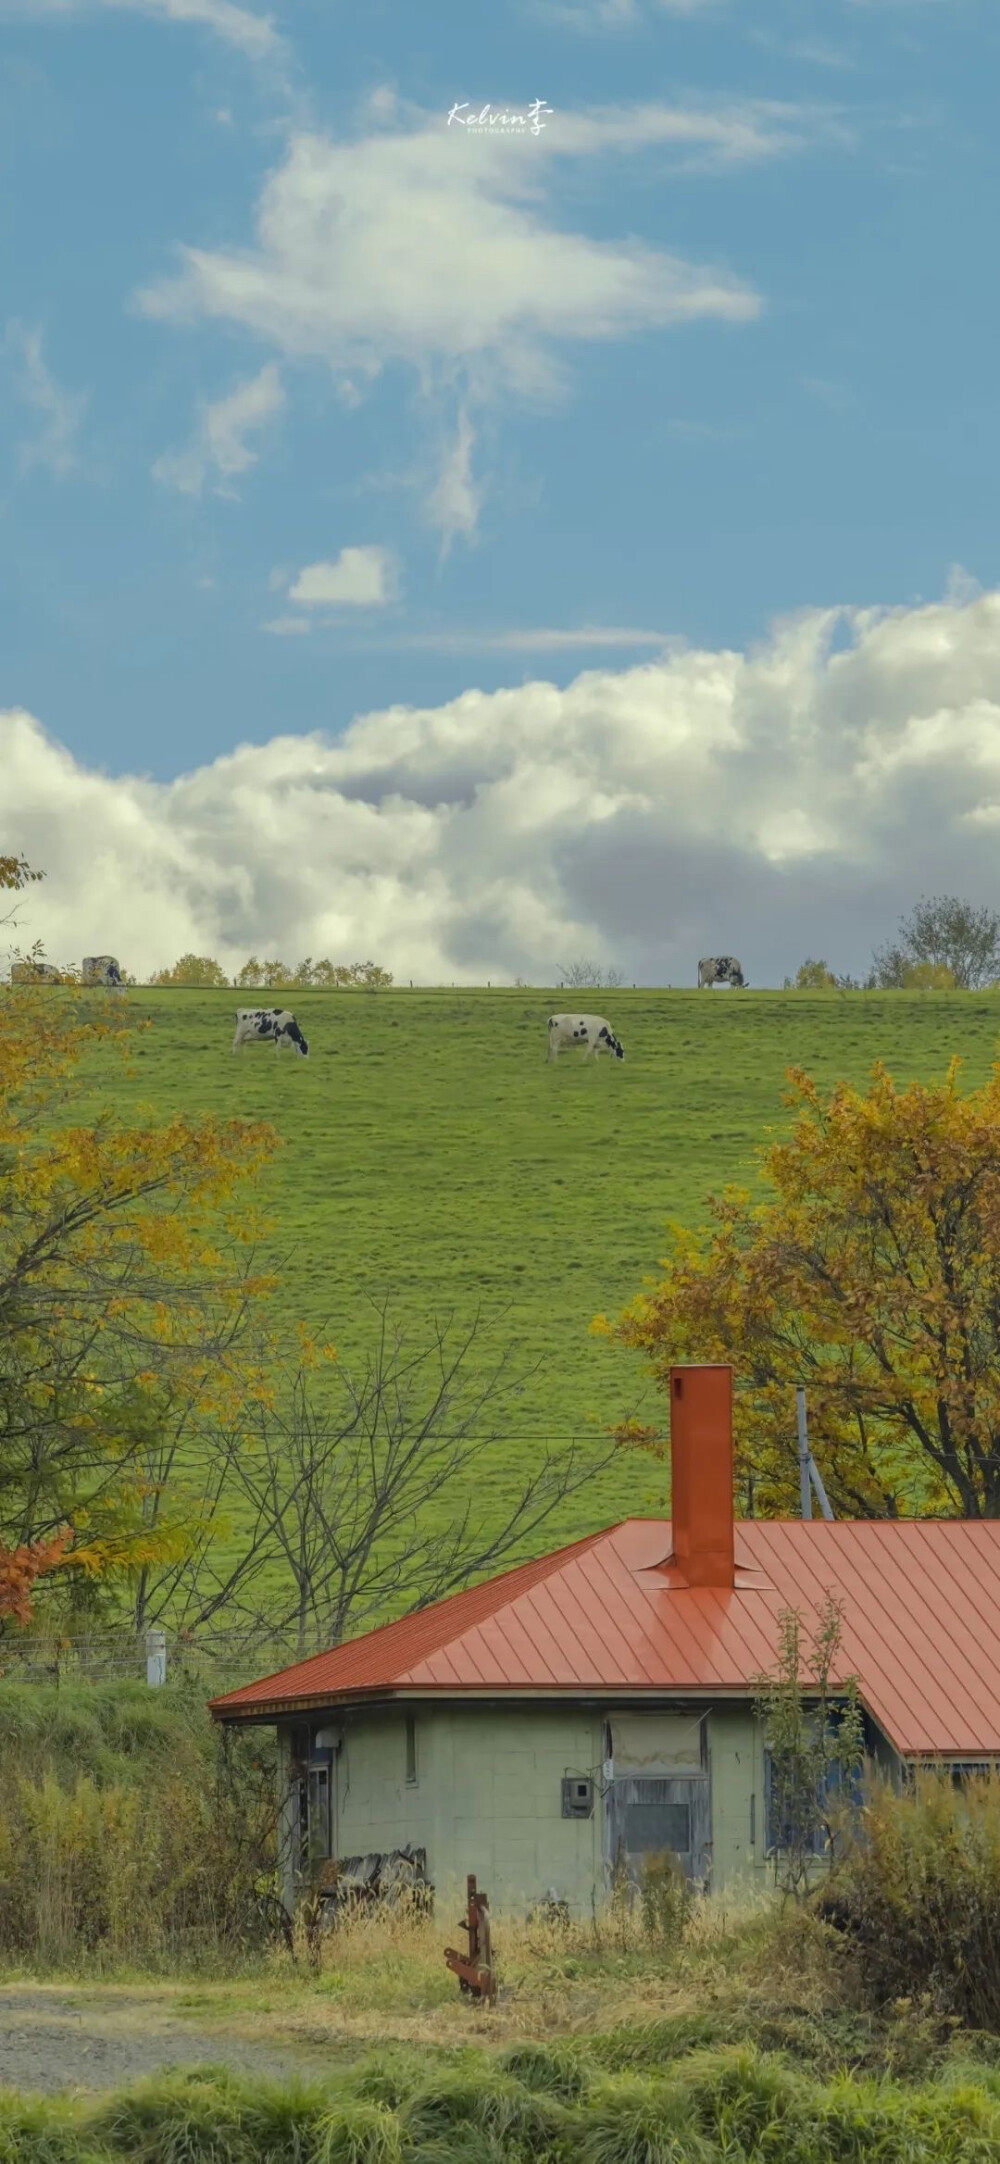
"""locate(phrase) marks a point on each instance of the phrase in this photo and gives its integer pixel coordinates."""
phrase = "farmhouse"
(596, 1705)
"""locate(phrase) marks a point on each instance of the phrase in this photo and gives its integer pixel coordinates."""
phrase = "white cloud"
(421, 244)
(60, 411)
(254, 34)
(787, 801)
(288, 627)
(454, 502)
(360, 578)
(617, 14)
(433, 249)
(536, 640)
(220, 447)
(734, 135)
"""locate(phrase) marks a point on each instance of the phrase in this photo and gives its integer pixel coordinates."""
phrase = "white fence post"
(156, 1658)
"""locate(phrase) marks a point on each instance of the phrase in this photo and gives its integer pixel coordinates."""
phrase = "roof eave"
(490, 1693)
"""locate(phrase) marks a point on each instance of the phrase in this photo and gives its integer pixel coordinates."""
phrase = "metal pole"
(817, 1482)
(805, 1492)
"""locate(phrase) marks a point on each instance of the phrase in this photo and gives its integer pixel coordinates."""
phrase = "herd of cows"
(278, 1026)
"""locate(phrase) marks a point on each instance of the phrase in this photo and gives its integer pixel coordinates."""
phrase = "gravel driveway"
(52, 2040)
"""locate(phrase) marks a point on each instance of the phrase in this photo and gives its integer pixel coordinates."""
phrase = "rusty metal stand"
(474, 1969)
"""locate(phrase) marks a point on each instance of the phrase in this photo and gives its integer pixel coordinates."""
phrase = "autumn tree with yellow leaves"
(122, 1294)
(870, 1273)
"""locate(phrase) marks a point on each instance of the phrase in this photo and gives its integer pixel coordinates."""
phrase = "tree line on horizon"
(943, 945)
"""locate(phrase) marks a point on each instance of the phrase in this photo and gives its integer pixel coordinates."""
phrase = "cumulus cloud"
(59, 412)
(789, 800)
(432, 248)
(254, 34)
(220, 446)
(359, 578)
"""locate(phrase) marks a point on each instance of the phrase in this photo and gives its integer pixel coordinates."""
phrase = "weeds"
(917, 1893)
(126, 1835)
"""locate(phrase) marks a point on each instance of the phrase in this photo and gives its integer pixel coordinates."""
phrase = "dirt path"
(52, 2039)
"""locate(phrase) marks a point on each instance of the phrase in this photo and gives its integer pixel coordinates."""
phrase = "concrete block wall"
(488, 1798)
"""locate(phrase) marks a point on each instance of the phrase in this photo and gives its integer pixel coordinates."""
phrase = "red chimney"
(701, 1459)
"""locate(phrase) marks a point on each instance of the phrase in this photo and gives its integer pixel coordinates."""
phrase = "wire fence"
(219, 1660)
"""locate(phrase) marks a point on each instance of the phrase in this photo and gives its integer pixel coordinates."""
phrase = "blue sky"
(318, 406)
(692, 479)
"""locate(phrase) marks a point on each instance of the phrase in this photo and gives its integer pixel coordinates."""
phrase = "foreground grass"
(739, 2045)
(431, 1152)
(549, 2105)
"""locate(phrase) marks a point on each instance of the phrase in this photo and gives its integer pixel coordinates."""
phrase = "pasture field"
(431, 1152)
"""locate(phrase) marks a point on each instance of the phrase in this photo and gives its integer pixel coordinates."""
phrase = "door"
(650, 1817)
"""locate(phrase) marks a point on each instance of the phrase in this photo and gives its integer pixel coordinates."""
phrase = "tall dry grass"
(128, 1834)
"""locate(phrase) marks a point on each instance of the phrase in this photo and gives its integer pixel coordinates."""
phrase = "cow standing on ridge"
(589, 1029)
(721, 969)
(271, 1025)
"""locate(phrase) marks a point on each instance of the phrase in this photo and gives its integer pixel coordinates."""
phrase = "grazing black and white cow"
(589, 1029)
(102, 969)
(721, 969)
(275, 1025)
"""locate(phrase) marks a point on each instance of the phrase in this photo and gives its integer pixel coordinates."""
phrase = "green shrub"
(918, 1891)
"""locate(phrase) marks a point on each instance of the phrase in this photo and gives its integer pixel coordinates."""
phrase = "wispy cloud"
(417, 245)
(358, 578)
(59, 411)
(616, 14)
(220, 450)
(837, 397)
(254, 34)
(454, 502)
(537, 640)
(734, 134)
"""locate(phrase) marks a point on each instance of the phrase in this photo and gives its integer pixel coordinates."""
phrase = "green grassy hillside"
(430, 1150)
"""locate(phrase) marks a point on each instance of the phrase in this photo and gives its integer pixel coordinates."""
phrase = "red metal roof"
(921, 1627)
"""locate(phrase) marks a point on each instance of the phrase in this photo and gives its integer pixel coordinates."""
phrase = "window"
(320, 1835)
(652, 1827)
(964, 1770)
(833, 1792)
(411, 1751)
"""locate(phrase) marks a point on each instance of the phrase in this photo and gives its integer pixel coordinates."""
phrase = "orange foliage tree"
(870, 1273)
(126, 1278)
